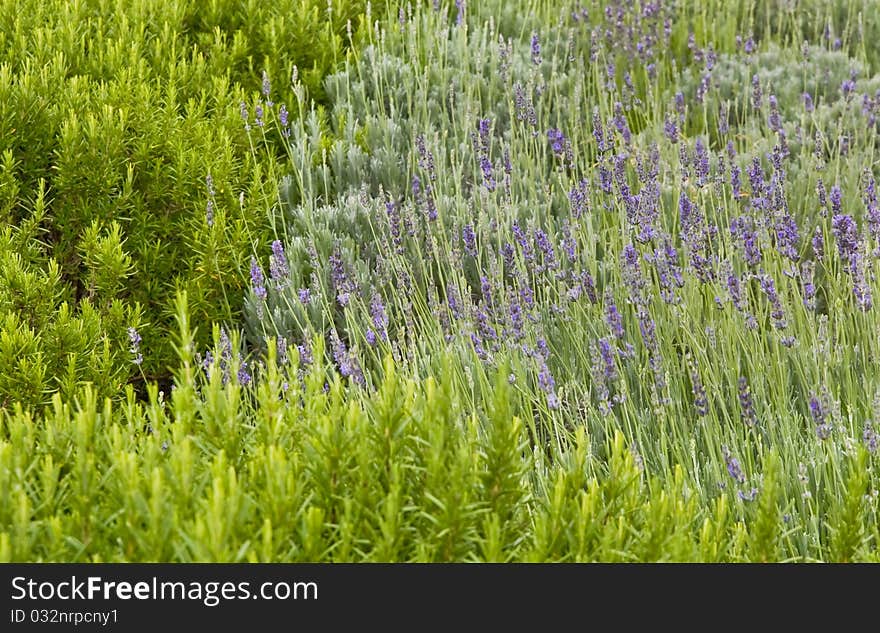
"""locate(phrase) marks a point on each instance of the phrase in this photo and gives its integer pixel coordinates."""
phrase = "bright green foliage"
(112, 116)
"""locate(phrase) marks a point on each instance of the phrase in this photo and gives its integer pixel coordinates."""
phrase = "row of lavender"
(650, 226)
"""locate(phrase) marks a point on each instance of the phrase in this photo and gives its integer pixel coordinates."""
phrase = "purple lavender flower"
(621, 124)
(809, 288)
(379, 316)
(733, 467)
(746, 405)
(459, 17)
(258, 115)
(734, 289)
(486, 290)
(244, 116)
(426, 158)
(836, 198)
(395, 228)
(846, 235)
(557, 140)
(723, 118)
(613, 317)
(588, 286)
(569, 245)
(515, 313)
(267, 88)
(872, 209)
(244, 378)
(484, 127)
(546, 248)
(808, 102)
(346, 361)
(536, 50)
(751, 495)
(488, 177)
(648, 330)
(608, 363)
(774, 121)
(281, 349)
(508, 256)
(756, 180)
(305, 296)
(283, 117)
(776, 314)
(305, 353)
(486, 329)
(524, 242)
(861, 287)
(757, 95)
(548, 385)
(279, 272)
(731, 151)
(527, 296)
(848, 86)
(871, 438)
(257, 280)
(225, 359)
(736, 180)
(599, 132)
(452, 301)
(605, 178)
(818, 243)
(525, 109)
(823, 197)
(787, 236)
(701, 402)
(341, 283)
(578, 197)
(671, 130)
(469, 239)
(134, 339)
(820, 418)
(703, 87)
(602, 373)
(696, 237)
(701, 162)
(632, 273)
(541, 348)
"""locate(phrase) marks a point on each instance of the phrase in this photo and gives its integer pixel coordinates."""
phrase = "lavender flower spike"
(134, 338)
(279, 271)
(257, 280)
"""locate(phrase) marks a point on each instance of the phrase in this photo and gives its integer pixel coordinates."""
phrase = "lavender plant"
(554, 281)
(642, 264)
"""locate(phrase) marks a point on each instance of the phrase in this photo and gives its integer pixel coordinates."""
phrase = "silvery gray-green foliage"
(786, 74)
(360, 155)
(383, 100)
